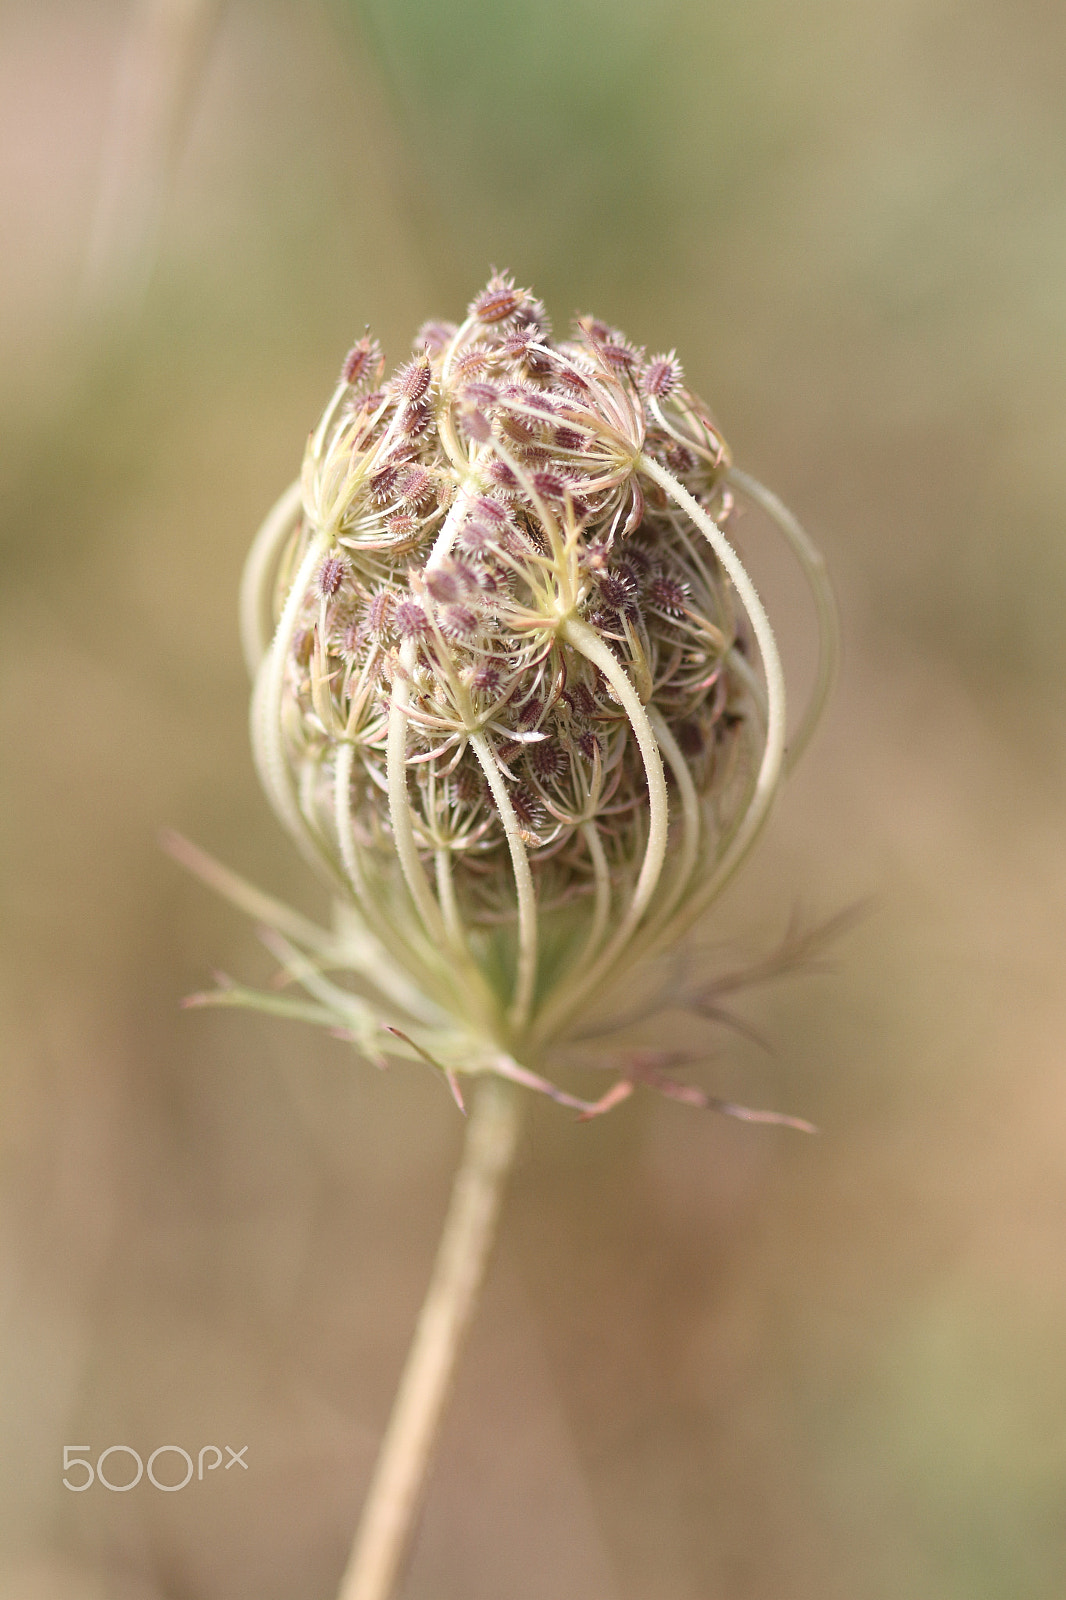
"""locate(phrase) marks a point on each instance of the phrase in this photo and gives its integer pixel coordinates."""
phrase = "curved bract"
(516, 695)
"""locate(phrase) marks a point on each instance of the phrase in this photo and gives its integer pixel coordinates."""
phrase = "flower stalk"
(391, 1506)
(518, 701)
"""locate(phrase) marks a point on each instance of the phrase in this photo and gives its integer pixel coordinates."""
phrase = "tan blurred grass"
(714, 1361)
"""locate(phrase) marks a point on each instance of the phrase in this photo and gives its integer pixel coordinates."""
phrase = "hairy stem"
(690, 815)
(268, 745)
(257, 580)
(812, 564)
(526, 967)
(400, 811)
(602, 902)
(386, 971)
(587, 643)
(392, 1503)
(770, 767)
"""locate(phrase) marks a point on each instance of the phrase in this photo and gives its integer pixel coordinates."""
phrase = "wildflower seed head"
(661, 376)
(434, 336)
(363, 364)
(538, 720)
(412, 381)
(330, 576)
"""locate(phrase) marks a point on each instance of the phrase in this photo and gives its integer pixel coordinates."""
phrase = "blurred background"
(715, 1362)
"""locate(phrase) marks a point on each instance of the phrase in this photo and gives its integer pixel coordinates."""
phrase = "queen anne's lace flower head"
(516, 696)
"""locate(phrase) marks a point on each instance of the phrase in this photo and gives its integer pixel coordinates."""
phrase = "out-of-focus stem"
(257, 581)
(392, 1503)
(812, 564)
(161, 62)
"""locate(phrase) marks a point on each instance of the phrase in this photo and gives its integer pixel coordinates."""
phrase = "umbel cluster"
(515, 694)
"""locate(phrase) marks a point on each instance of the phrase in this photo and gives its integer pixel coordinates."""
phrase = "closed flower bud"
(555, 721)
